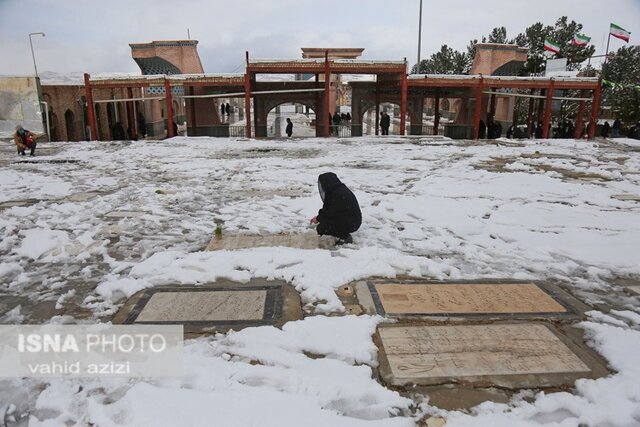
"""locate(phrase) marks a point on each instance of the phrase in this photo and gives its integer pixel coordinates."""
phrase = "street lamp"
(32, 54)
(419, 37)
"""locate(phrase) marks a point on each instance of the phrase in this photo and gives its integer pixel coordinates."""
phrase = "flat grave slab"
(498, 299)
(626, 197)
(243, 241)
(509, 355)
(83, 196)
(18, 203)
(634, 289)
(124, 214)
(204, 305)
(214, 308)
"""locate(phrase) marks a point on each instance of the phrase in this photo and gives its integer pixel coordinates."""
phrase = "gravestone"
(626, 197)
(634, 289)
(204, 306)
(18, 203)
(124, 214)
(83, 196)
(465, 300)
(215, 307)
(243, 241)
(509, 355)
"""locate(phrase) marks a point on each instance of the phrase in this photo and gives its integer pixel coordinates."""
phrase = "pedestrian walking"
(289, 127)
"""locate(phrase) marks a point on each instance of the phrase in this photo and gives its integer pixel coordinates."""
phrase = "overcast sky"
(93, 36)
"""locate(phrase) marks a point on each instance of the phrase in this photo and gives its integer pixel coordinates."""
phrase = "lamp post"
(419, 36)
(32, 54)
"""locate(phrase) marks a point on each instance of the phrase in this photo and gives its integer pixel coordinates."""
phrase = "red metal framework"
(391, 77)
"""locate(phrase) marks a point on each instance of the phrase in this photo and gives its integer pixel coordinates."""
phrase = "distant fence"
(458, 131)
(223, 131)
(428, 130)
(341, 131)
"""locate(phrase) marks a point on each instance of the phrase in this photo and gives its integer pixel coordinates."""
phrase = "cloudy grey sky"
(93, 35)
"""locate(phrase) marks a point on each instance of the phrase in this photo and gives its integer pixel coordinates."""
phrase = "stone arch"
(263, 105)
(277, 129)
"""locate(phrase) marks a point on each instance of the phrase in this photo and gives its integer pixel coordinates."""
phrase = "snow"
(433, 208)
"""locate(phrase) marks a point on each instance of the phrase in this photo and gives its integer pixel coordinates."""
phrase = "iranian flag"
(551, 46)
(619, 32)
(580, 40)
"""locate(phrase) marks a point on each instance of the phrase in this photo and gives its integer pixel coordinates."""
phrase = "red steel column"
(130, 116)
(377, 121)
(192, 111)
(477, 110)
(90, 109)
(530, 126)
(327, 88)
(580, 117)
(436, 114)
(594, 111)
(547, 111)
(247, 96)
(403, 100)
(167, 92)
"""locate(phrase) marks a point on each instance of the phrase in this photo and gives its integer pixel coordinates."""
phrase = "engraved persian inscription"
(203, 306)
(466, 299)
(433, 352)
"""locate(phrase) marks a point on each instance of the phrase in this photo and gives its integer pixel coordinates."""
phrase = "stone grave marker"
(83, 196)
(17, 203)
(626, 197)
(209, 308)
(308, 240)
(634, 289)
(124, 214)
(509, 355)
(468, 299)
(210, 305)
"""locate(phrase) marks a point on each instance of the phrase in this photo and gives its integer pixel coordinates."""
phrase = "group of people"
(337, 119)
(491, 130)
(225, 109)
(634, 131)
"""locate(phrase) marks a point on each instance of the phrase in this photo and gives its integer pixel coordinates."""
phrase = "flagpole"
(419, 37)
(607, 52)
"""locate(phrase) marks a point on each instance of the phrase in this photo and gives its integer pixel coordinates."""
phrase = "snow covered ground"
(551, 209)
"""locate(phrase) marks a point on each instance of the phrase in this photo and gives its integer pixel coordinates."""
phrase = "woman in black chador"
(340, 214)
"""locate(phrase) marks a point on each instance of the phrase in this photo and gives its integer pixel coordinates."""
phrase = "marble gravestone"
(465, 299)
(309, 240)
(204, 306)
(504, 354)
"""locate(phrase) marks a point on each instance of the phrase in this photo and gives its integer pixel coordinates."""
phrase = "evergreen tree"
(497, 35)
(562, 33)
(446, 61)
(621, 84)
